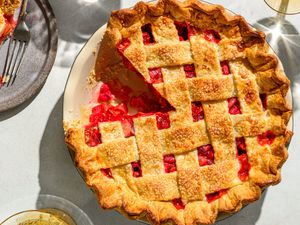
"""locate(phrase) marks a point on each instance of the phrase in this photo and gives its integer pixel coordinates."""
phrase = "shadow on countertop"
(248, 215)
(58, 176)
(77, 20)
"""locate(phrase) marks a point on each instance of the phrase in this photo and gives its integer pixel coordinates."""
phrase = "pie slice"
(190, 116)
(7, 22)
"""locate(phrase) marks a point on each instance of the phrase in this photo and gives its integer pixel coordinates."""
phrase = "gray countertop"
(34, 159)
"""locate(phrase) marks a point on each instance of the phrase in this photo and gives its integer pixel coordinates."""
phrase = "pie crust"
(223, 139)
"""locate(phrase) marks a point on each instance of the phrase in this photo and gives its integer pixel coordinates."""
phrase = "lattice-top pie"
(7, 22)
(190, 119)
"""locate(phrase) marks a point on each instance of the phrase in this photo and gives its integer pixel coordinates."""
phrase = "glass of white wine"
(285, 6)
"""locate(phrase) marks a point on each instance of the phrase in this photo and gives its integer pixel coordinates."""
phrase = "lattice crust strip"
(226, 134)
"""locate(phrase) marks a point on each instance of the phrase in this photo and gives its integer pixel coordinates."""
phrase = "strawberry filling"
(245, 167)
(155, 75)
(212, 35)
(240, 145)
(92, 135)
(170, 163)
(136, 169)
(107, 172)
(263, 98)
(162, 120)
(225, 67)
(216, 195)
(266, 138)
(189, 70)
(184, 29)
(122, 45)
(234, 106)
(105, 113)
(197, 111)
(177, 202)
(10, 24)
(205, 155)
(243, 172)
(147, 34)
(105, 94)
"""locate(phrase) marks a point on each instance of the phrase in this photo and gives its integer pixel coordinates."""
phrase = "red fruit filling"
(122, 45)
(240, 145)
(197, 111)
(136, 169)
(92, 135)
(216, 195)
(155, 75)
(245, 167)
(104, 113)
(263, 98)
(243, 159)
(147, 34)
(205, 155)
(162, 120)
(146, 103)
(177, 202)
(266, 138)
(105, 94)
(107, 172)
(234, 106)
(170, 163)
(184, 29)
(225, 67)
(212, 35)
(10, 24)
(189, 70)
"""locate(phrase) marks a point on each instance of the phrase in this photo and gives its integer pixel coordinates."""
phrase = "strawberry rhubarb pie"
(190, 116)
(7, 22)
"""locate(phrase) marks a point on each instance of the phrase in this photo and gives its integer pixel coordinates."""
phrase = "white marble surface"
(35, 160)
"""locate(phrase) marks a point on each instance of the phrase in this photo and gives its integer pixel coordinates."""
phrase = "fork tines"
(15, 53)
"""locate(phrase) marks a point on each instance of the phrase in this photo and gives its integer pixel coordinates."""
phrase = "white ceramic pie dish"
(78, 90)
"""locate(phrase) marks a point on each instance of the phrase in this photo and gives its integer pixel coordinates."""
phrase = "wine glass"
(285, 6)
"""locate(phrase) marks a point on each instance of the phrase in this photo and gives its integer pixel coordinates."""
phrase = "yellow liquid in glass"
(285, 6)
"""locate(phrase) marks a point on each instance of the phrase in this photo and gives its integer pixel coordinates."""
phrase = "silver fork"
(17, 46)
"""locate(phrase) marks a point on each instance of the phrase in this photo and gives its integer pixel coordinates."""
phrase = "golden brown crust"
(254, 71)
(9, 6)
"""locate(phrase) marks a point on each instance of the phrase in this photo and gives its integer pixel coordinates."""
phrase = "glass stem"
(282, 8)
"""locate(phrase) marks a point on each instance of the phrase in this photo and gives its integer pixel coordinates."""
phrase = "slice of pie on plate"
(190, 115)
(7, 22)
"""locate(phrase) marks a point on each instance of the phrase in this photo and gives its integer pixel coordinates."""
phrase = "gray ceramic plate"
(38, 59)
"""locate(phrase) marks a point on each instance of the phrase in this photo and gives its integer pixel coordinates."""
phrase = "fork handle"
(23, 9)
